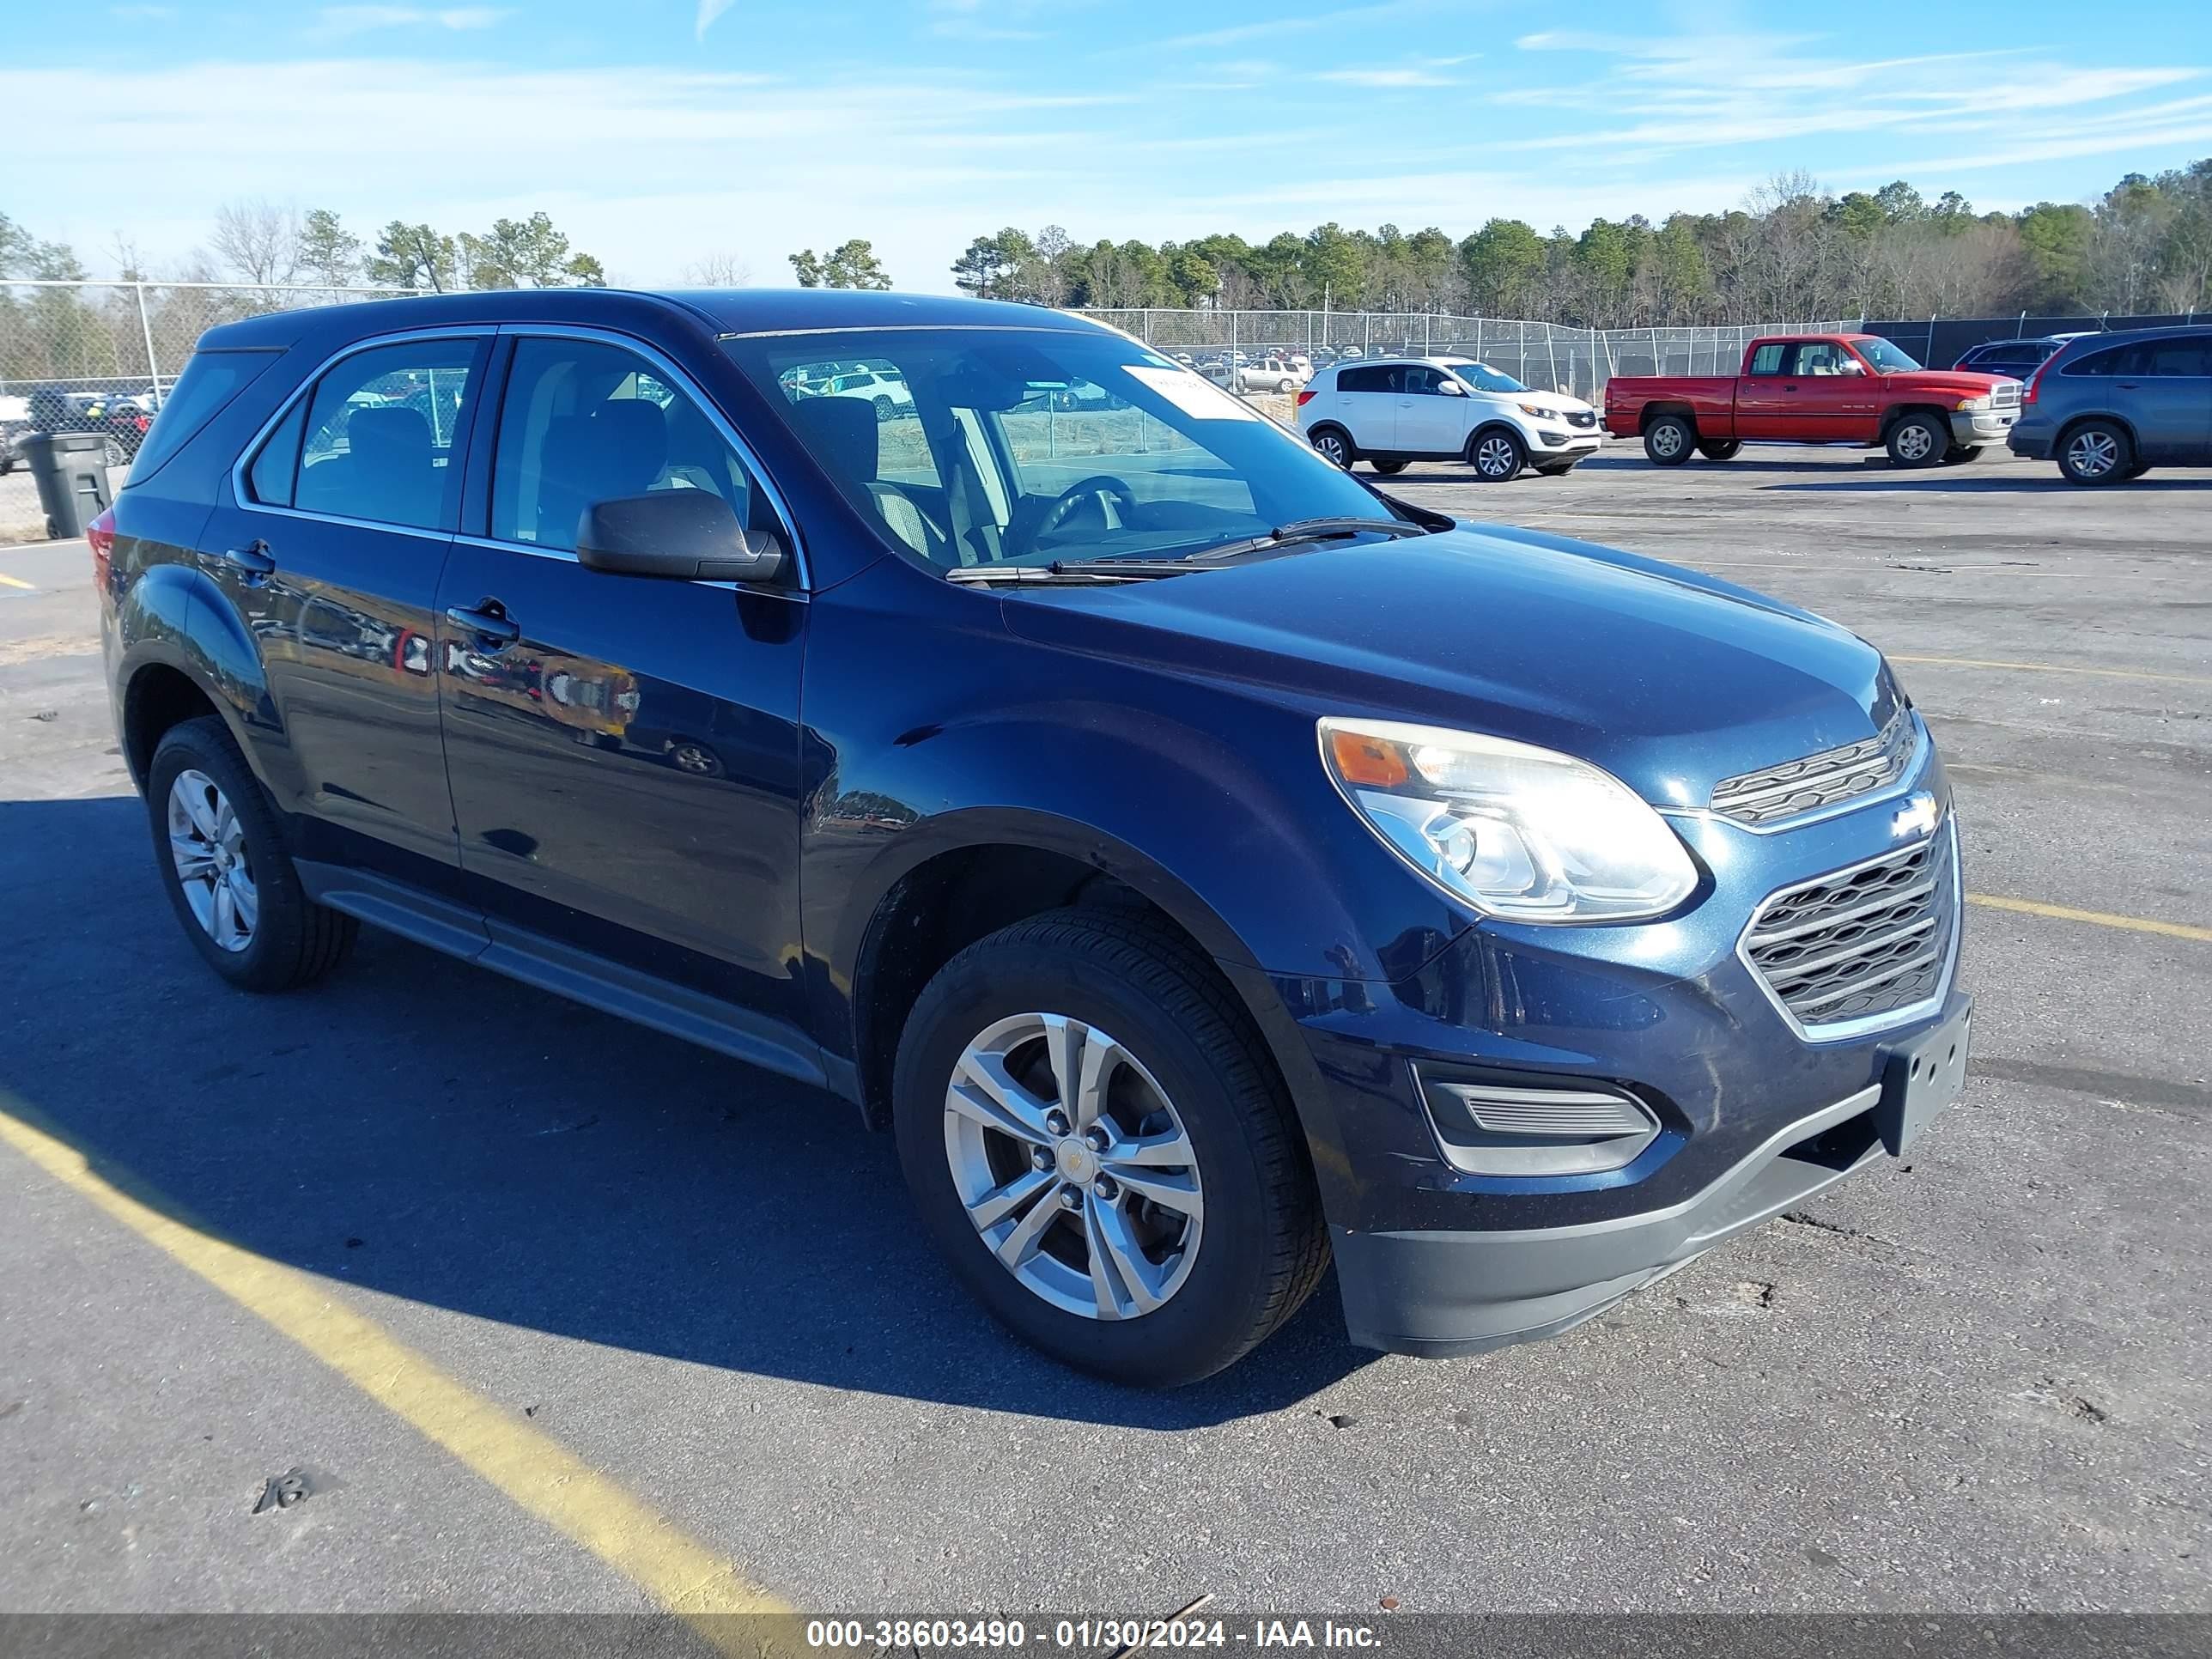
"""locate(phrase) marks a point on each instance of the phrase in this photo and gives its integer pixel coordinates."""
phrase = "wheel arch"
(2074, 422)
(185, 652)
(1897, 412)
(1652, 412)
(964, 876)
(1350, 446)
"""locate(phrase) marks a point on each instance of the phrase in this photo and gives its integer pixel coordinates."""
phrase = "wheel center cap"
(1076, 1161)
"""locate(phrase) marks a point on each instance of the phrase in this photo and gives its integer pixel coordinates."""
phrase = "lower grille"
(1581, 417)
(1861, 942)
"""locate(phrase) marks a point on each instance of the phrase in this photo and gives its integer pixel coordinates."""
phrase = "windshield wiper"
(1077, 570)
(1304, 530)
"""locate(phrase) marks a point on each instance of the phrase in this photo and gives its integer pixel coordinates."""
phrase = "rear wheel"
(1098, 1142)
(1669, 441)
(1388, 469)
(1556, 469)
(1919, 439)
(228, 876)
(1331, 446)
(1496, 455)
(2097, 453)
(1720, 449)
(111, 453)
(885, 411)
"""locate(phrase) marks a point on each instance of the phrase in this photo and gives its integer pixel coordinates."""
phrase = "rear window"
(210, 382)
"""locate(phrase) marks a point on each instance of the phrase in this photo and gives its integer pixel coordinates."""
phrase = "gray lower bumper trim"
(1443, 1293)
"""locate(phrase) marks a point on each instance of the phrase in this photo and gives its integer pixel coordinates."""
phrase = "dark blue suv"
(1203, 863)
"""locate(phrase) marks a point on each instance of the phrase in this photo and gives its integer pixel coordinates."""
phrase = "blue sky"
(661, 132)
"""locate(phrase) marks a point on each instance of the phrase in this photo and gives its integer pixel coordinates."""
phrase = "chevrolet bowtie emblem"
(1917, 816)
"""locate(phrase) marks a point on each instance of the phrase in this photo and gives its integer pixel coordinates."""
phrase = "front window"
(968, 446)
(1483, 378)
(1886, 358)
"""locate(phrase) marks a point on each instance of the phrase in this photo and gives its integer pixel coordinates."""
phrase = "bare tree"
(259, 239)
(719, 271)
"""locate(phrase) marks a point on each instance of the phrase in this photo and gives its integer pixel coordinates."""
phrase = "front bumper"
(1437, 1294)
(1975, 427)
(1569, 440)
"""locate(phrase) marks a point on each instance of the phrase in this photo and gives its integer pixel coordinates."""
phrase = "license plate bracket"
(1920, 1079)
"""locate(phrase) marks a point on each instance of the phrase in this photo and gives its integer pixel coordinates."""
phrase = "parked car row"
(120, 418)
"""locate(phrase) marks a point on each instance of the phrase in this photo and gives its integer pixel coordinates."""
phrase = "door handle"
(251, 563)
(2127, 385)
(487, 621)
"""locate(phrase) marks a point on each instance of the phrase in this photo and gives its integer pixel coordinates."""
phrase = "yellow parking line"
(534, 1472)
(2100, 918)
(11, 582)
(2058, 668)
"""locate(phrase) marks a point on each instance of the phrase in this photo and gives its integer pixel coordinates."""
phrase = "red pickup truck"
(1816, 389)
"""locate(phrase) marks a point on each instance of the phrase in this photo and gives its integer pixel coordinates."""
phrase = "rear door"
(1366, 404)
(623, 751)
(331, 554)
(1815, 392)
(2167, 385)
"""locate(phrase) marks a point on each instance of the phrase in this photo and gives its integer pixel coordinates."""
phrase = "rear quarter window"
(210, 382)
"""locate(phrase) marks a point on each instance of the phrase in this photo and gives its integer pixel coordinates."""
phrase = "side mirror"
(1451, 388)
(1850, 365)
(687, 535)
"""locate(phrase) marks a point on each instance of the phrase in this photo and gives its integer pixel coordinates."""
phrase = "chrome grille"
(1861, 942)
(1818, 781)
(2005, 394)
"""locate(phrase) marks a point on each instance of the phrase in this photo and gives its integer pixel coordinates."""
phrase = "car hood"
(1557, 401)
(1946, 382)
(1669, 679)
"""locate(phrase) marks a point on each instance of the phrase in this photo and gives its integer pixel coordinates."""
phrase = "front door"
(331, 555)
(1429, 423)
(623, 751)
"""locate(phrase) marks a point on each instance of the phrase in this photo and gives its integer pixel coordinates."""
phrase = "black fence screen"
(1941, 342)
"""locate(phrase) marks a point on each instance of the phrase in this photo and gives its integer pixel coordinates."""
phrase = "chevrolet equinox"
(1204, 864)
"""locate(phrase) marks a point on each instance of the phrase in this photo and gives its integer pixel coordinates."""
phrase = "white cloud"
(1387, 78)
(708, 11)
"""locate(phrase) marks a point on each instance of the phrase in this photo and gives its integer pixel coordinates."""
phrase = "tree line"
(1793, 252)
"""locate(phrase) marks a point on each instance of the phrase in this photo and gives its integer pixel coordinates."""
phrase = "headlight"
(1982, 402)
(1541, 413)
(1519, 833)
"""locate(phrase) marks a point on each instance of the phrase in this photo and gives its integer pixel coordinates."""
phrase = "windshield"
(986, 447)
(1483, 378)
(1886, 358)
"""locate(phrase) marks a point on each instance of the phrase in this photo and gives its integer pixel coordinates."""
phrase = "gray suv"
(2109, 407)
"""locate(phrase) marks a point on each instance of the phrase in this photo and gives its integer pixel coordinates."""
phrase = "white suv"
(1444, 409)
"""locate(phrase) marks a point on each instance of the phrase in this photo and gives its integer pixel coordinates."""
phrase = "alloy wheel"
(208, 844)
(2092, 454)
(1915, 443)
(1666, 441)
(1073, 1166)
(1330, 447)
(1494, 457)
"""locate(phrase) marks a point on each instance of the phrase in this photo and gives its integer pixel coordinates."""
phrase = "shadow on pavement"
(436, 1133)
(1964, 482)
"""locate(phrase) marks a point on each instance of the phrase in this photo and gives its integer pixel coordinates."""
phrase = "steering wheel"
(1098, 486)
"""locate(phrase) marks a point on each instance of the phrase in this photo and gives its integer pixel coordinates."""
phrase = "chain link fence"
(1236, 346)
(98, 356)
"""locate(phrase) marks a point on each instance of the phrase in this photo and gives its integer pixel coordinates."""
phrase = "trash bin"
(70, 469)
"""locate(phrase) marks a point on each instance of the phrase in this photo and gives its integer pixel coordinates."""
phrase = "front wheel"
(885, 411)
(2097, 453)
(1332, 446)
(1557, 470)
(225, 868)
(1098, 1142)
(1388, 469)
(1669, 441)
(1496, 456)
(1720, 449)
(1918, 441)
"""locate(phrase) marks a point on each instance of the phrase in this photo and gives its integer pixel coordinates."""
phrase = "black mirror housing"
(683, 535)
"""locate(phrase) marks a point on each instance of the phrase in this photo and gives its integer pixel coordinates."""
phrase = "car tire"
(1721, 449)
(223, 862)
(2096, 453)
(1496, 454)
(1669, 440)
(1332, 444)
(1389, 469)
(1919, 439)
(1959, 454)
(112, 454)
(1185, 1067)
(886, 411)
(1557, 470)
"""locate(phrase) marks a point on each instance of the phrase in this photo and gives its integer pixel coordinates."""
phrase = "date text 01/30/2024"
(1108, 1635)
